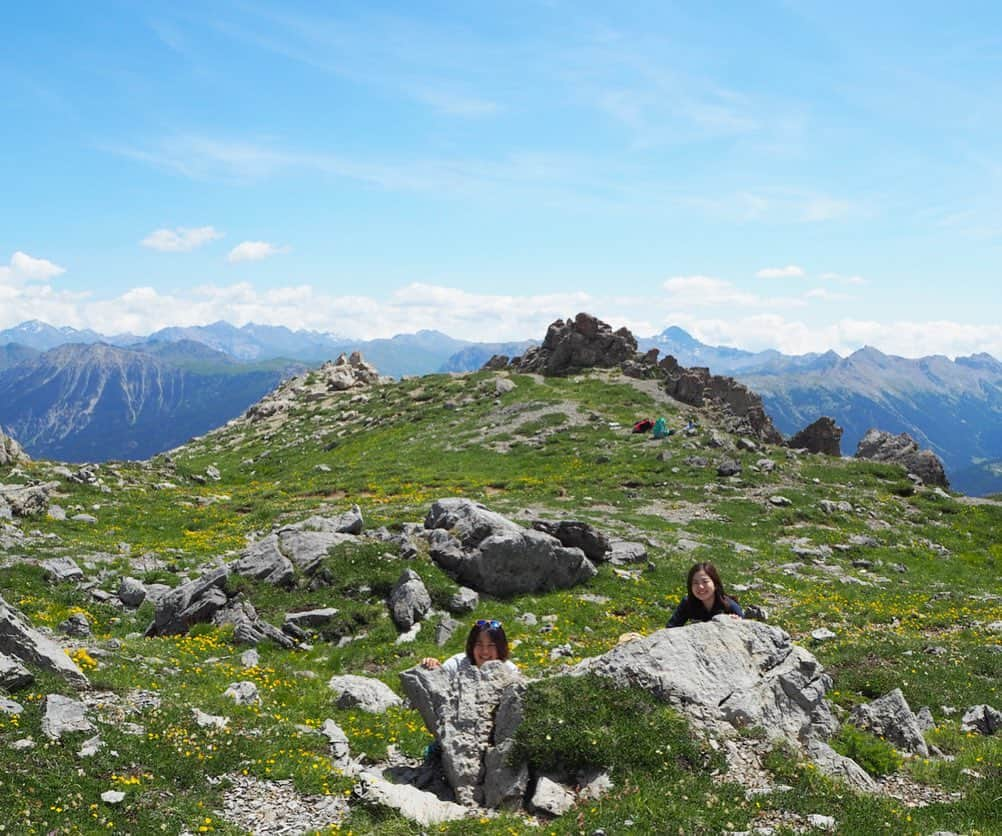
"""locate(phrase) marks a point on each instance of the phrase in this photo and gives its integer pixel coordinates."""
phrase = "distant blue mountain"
(93, 402)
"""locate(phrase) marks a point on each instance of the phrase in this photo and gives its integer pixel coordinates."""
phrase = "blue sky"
(798, 175)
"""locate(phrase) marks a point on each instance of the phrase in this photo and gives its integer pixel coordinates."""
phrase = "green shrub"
(876, 756)
(573, 723)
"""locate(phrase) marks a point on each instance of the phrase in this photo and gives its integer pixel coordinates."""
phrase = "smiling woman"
(705, 599)
(486, 642)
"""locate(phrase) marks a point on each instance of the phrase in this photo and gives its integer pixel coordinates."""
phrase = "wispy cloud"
(23, 267)
(181, 239)
(707, 291)
(791, 271)
(254, 251)
(455, 104)
(777, 206)
(840, 279)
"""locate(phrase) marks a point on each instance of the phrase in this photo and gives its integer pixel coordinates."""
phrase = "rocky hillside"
(226, 638)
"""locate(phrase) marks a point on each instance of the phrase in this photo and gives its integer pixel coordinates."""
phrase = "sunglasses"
(494, 624)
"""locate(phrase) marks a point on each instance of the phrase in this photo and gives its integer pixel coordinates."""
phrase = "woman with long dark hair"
(706, 597)
(486, 642)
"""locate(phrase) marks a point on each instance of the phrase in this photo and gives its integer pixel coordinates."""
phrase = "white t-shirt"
(453, 664)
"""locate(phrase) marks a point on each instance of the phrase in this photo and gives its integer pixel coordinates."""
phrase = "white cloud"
(455, 104)
(254, 251)
(837, 277)
(24, 267)
(706, 291)
(791, 271)
(180, 240)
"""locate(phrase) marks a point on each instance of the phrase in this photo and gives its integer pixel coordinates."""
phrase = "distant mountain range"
(405, 354)
(93, 402)
(951, 407)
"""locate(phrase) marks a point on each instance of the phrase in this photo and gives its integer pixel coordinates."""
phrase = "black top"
(692, 609)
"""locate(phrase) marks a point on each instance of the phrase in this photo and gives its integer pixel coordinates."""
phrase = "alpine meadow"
(218, 610)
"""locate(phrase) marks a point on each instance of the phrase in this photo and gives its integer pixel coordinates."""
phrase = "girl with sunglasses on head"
(486, 642)
(705, 599)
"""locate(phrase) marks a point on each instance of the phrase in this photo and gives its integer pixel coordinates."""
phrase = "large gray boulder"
(881, 446)
(414, 804)
(299, 546)
(366, 693)
(981, 719)
(891, 717)
(485, 551)
(21, 640)
(13, 675)
(409, 600)
(473, 713)
(249, 627)
(192, 603)
(727, 674)
(577, 535)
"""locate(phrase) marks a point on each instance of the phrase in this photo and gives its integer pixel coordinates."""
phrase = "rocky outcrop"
(727, 674)
(891, 718)
(823, 436)
(191, 603)
(473, 714)
(11, 453)
(303, 545)
(577, 535)
(27, 500)
(571, 345)
(348, 373)
(363, 692)
(409, 600)
(20, 640)
(881, 446)
(489, 553)
(743, 409)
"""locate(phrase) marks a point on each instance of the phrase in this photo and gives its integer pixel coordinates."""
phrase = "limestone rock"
(727, 672)
(489, 553)
(19, 639)
(881, 446)
(191, 603)
(891, 718)
(575, 344)
(11, 453)
(982, 719)
(363, 692)
(13, 675)
(64, 715)
(409, 600)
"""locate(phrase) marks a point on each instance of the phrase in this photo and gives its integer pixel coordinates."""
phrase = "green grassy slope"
(918, 618)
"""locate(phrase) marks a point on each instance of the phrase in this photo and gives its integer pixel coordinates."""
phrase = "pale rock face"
(727, 673)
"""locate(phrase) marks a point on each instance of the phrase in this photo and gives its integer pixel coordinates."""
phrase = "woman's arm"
(734, 608)
(681, 614)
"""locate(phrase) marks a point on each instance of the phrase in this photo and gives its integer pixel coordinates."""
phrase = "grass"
(924, 629)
